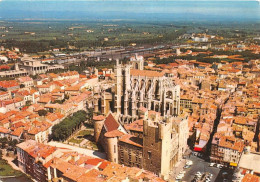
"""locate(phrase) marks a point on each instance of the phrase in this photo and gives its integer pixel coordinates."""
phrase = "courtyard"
(84, 139)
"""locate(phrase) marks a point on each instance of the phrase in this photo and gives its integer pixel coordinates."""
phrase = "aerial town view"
(129, 91)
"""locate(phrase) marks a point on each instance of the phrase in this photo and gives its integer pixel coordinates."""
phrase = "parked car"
(211, 164)
(186, 166)
(220, 166)
(195, 153)
(182, 172)
(208, 177)
(189, 163)
(179, 177)
(200, 155)
(198, 174)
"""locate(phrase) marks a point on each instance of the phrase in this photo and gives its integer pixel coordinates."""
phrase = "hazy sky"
(208, 10)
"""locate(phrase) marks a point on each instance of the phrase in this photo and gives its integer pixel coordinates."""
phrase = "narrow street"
(79, 150)
(215, 127)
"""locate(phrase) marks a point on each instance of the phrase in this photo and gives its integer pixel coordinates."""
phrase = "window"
(149, 154)
(114, 148)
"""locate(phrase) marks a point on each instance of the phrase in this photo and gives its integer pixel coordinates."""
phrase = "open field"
(37, 35)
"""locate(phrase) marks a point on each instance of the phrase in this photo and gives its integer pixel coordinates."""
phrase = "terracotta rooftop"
(92, 175)
(3, 93)
(114, 133)
(147, 73)
(8, 84)
(132, 140)
(70, 73)
(232, 143)
(104, 164)
(110, 123)
(36, 149)
(17, 132)
(251, 178)
(4, 130)
(94, 161)
(25, 79)
(135, 126)
(70, 165)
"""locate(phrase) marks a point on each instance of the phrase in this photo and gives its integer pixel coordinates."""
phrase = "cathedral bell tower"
(137, 62)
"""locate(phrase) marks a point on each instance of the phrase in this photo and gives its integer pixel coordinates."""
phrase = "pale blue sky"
(208, 10)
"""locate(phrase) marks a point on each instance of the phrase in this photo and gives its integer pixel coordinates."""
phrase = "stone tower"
(137, 62)
(96, 98)
(178, 51)
(122, 85)
(112, 148)
(160, 146)
(98, 125)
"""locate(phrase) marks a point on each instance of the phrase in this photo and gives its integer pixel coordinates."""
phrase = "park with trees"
(63, 130)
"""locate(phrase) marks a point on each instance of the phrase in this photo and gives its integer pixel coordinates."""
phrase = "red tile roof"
(17, 132)
(147, 73)
(94, 161)
(25, 79)
(4, 130)
(251, 178)
(135, 126)
(8, 84)
(3, 93)
(114, 133)
(132, 140)
(110, 123)
(103, 165)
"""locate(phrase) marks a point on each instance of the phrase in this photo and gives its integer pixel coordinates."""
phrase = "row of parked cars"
(182, 173)
(197, 154)
(220, 166)
(205, 177)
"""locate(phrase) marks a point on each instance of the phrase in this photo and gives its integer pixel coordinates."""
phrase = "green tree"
(90, 116)
(12, 144)
(28, 103)
(42, 112)
(67, 126)
(3, 142)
